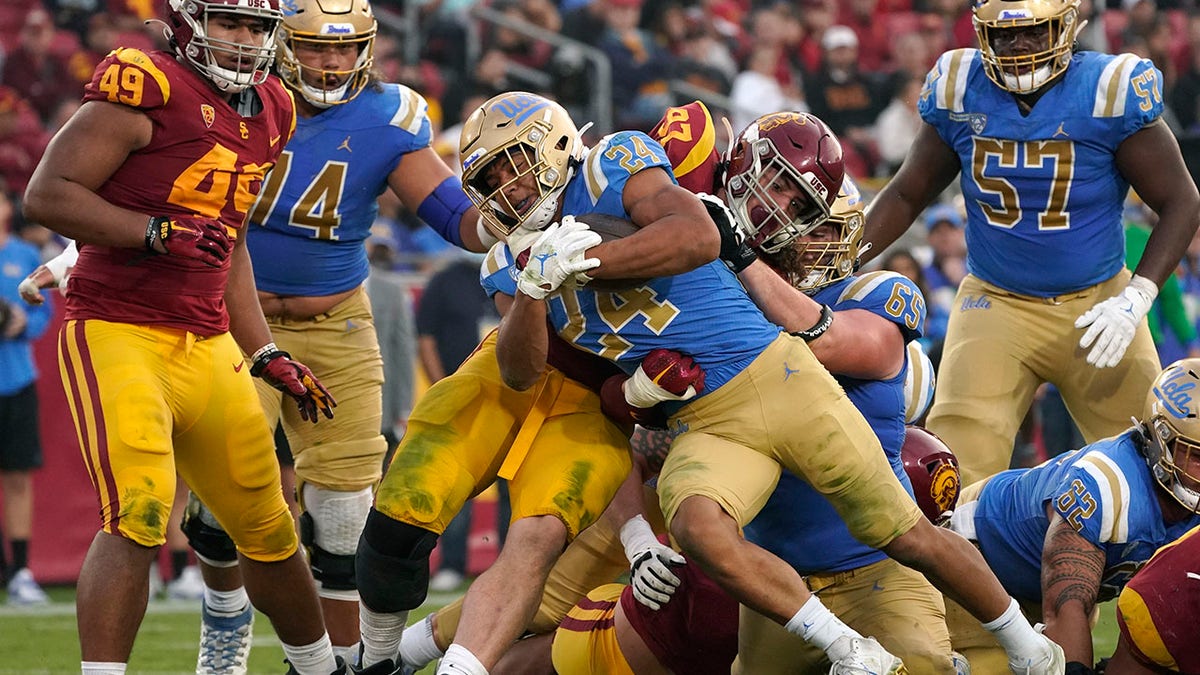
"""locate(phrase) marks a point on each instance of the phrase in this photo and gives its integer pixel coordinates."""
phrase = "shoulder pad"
(129, 77)
(412, 112)
(947, 81)
(1112, 492)
(1122, 74)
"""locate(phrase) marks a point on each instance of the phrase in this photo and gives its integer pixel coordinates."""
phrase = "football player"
(1071, 532)
(734, 437)
(1048, 142)
(152, 177)
(355, 137)
(1157, 612)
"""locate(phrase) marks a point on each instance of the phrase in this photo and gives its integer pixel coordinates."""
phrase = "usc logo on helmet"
(944, 486)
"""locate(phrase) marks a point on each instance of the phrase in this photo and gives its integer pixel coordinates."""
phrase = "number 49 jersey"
(204, 159)
(1043, 186)
(1104, 490)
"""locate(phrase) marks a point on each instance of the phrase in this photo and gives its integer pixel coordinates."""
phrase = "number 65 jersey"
(1043, 186)
(204, 159)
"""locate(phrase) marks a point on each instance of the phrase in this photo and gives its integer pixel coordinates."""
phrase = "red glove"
(617, 409)
(293, 378)
(664, 375)
(202, 239)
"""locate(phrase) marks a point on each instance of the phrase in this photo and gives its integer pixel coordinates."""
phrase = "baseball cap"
(839, 36)
(943, 213)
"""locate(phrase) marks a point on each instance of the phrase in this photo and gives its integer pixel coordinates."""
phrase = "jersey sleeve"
(1093, 497)
(1129, 88)
(890, 295)
(946, 87)
(618, 156)
(687, 135)
(129, 77)
(498, 273)
(409, 112)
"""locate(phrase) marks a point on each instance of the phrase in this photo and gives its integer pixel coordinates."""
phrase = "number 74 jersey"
(1043, 186)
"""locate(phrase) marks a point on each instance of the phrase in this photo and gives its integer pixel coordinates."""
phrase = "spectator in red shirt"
(22, 140)
(31, 69)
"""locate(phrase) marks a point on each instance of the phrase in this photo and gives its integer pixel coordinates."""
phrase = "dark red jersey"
(1159, 609)
(204, 159)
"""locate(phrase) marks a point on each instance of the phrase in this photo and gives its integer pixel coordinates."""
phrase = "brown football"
(610, 228)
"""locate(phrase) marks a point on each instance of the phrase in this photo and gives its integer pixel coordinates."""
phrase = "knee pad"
(206, 536)
(330, 526)
(392, 565)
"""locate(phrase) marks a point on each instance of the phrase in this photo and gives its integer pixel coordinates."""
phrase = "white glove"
(668, 370)
(1049, 659)
(1115, 321)
(556, 257)
(650, 574)
(53, 273)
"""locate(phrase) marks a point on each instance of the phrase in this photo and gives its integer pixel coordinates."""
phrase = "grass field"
(43, 641)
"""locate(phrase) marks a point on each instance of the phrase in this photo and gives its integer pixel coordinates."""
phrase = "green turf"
(43, 641)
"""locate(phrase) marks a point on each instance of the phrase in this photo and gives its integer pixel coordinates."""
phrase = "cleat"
(445, 580)
(189, 585)
(862, 656)
(24, 591)
(224, 642)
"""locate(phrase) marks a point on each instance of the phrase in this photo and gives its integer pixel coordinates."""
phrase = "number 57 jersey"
(1043, 186)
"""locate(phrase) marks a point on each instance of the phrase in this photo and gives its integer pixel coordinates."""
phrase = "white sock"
(1013, 632)
(460, 661)
(226, 603)
(348, 654)
(101, 668)
(817, 625)
(314, 659)
(417, 646)
(380, 634)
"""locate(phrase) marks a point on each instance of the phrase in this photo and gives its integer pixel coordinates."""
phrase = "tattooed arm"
(1072, 568)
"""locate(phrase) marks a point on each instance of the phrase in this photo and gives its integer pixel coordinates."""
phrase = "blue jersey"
(1104, 490)
(317, 205)
(1043, 187)
(798, 524)
(18, 259)
(704, 313)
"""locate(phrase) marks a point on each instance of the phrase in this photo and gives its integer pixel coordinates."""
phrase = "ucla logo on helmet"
(471, 158)
(1014, 14)
(337, 29)
(1174, 393)
(518, 104)
(288, 7)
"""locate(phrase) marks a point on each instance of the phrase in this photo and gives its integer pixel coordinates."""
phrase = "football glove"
(1112, 323)
(735, 253)
(54, 272)
(293, 378)
(556, 257)
(664, 375)
(650, 573)
(617, 409)
(202, 239)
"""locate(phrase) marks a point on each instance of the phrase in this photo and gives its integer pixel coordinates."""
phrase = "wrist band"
(263, 350)
(819, 327)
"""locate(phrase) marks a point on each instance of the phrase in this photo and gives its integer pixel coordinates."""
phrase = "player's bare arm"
(522, 341)
(85, 153)
(858, 343)
(927, 169)
(677, 235)
(416, 177)
(1071, 571)
(1150, 159)
(246, 321)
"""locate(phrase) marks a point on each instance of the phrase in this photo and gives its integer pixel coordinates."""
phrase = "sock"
(1013, 632)
(314, 658)
(348, 654)
(226, 603)
(20, 554)
(417, 646)
(380, 633)
(179, 560)
(817, 625)
(459, 660)
(102, 668)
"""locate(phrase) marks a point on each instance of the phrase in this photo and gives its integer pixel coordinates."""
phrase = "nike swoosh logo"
(237, 367)
(274, 140)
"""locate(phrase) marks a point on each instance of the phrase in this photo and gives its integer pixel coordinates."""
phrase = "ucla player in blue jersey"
(733, 438)
(355, 138)
(1048, 142)
(1071, 532)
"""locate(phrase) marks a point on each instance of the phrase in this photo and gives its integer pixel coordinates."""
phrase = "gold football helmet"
(324, 22)
(1002, 27)
(1172, 417)
(814, 261)
(528, 135)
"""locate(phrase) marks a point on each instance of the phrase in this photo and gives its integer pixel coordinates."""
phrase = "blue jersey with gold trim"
(1043, 187)
(704, 313)
(1104, 490)
(818, 540)
(317, 205)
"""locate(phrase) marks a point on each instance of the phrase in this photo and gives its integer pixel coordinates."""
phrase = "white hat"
(839, 36)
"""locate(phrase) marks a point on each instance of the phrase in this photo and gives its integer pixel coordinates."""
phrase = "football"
(610, 228)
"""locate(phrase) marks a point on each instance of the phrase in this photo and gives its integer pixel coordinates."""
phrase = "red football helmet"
(187, 32)
(933, 470)
(775, 150)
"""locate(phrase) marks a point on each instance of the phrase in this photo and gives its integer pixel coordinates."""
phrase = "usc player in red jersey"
(153, 177)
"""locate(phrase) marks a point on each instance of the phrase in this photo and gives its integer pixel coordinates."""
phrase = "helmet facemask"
(1024, 73)
(1171, 454)
(813, 262)
(189, 30)
(769, 226)
(1172, 419)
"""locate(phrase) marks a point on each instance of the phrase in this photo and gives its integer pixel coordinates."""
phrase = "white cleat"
(862, 656)
(24, 591)
(189, 585)
(224, 642)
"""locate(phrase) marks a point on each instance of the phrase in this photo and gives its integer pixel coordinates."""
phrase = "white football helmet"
(1055, 22)
(321, 22)
(1172, 418)
(536, 137)
(187, 32)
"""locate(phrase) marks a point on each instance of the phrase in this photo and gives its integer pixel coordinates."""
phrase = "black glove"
(736, 255)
